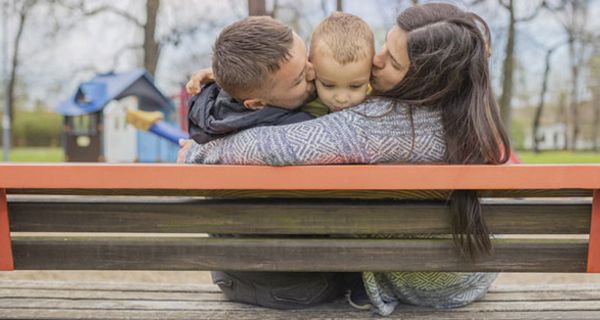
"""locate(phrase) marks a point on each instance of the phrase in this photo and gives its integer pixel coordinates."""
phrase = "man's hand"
(185, 145)
(199, 78)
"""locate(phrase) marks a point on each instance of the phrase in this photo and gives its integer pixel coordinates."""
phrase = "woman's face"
(391, 63)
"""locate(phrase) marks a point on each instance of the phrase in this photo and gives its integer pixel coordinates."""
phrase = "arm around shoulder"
(326, 140)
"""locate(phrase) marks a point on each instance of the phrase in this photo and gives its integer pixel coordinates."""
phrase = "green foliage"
(559, 157)
(48, 154)
(517, 134)
(36, 129)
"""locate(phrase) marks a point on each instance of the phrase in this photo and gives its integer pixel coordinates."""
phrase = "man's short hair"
(248, 52)
(347, 36)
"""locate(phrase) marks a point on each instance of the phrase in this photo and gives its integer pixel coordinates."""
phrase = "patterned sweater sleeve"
(326, 140)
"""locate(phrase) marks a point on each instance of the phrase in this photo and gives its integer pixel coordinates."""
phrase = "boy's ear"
(254, 104)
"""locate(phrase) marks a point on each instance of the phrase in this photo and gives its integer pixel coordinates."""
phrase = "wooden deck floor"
(94, 300)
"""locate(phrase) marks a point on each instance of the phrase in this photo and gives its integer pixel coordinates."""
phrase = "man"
(262, 71)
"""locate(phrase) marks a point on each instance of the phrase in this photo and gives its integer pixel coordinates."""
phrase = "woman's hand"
(185, 145)
(199, 78)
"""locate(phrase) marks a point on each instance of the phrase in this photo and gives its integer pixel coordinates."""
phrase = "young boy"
(341, 52)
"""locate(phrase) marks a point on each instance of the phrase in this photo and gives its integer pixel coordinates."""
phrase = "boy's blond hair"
(347, 36)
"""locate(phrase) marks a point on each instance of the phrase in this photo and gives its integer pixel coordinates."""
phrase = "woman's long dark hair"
(448, 50)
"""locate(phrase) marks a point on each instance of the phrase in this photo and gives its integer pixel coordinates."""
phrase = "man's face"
(292, 85)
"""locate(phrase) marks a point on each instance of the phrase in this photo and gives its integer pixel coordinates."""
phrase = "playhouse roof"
(93, 95)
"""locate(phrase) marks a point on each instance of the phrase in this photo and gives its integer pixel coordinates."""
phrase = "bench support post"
(6, 257)
(593, 263)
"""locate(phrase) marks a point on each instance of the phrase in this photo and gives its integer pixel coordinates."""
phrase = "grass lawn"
(559, 157)
(35, 154)
(32, 154)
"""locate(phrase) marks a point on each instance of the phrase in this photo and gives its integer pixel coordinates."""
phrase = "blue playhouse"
(95, 120)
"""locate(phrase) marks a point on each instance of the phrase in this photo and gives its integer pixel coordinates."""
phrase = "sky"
(53, 63)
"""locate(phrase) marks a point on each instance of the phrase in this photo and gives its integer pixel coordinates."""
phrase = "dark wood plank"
(339, 194)
(84, 300)
(265, 314)
(78, 294)
(164, 305)
(83, 285)
(284, 216)
(171, 253)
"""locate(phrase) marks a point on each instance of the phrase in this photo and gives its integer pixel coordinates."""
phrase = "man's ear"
(254, 104)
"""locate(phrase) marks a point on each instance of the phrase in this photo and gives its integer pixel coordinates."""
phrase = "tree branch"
(534, 14)
(117, 55)
(116, 11)
(102, 9)
(174, 36)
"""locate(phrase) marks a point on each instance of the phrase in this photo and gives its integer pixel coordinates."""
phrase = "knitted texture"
(377, 131)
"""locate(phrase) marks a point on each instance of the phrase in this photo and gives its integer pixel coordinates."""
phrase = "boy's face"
(340, 86)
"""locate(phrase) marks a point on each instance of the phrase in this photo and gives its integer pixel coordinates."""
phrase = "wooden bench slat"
(184, 215)
(111, 304)
(112, 294)
(530, 303)
(583, 295)
(252, 254)
(74, 293)
(339, 194)
(199, 288)
(49, 314)
(343, 177)
(175, 305)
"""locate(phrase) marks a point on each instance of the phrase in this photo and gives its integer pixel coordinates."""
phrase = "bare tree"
(508, 65)
(573, 17)
(257, 8)
(22, 10)
(539, 110)
(596, 131)
(152, 43)
(594, 82)
(152, 47)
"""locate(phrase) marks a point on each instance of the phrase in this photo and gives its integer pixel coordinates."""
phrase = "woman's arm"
(326, 140)
(373, 132)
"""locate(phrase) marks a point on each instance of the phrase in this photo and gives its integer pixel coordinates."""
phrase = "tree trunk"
(12, 79)
(562, 117)
(540, 107)
(339, 6)
(507, 70)
(151, 46)
(596, 130)
(257, 8)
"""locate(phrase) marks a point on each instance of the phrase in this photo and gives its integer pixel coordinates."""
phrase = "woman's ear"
(254, 104)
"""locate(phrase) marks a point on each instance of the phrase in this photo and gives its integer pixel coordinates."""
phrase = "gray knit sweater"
(377, 131)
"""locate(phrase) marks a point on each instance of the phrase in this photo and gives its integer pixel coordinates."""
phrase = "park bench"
(156, 216)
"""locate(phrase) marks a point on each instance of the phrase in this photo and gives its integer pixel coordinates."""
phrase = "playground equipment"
(95, 127)
(153, 122)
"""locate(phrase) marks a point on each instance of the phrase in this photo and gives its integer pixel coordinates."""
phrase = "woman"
(433, 102)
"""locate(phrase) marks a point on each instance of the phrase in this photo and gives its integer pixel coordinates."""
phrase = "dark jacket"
(214, 114)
